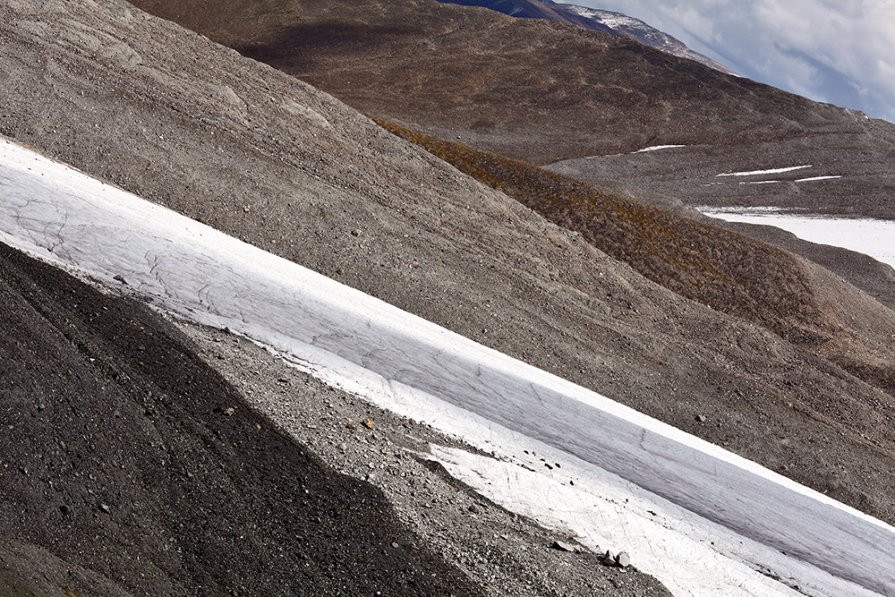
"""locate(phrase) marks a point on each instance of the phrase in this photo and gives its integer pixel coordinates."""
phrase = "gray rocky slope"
(184, 122)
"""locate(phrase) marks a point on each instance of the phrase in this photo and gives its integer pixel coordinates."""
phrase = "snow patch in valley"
(814, 178)
(875, 238)
(761, 182)
(657, 148)
(761, 172)
(699, 492)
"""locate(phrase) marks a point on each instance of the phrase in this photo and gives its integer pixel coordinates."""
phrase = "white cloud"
(838, 51)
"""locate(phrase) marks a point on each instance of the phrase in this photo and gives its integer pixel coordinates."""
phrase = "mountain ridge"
(605, 21)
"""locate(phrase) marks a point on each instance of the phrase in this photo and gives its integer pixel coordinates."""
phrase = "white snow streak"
(813, 178)
(761, 172)
(657, 148)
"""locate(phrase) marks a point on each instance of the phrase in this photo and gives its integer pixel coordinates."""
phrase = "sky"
(836, 51)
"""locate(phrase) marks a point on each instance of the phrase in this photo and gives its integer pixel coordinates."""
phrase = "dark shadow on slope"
(127, 464)
(289, 47)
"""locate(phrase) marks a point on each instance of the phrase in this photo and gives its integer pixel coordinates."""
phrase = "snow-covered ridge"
(385, 354)
(627, 26)
(613, 20)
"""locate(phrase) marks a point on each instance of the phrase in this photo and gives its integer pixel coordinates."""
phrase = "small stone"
(395, 545)
(356, 232)
(623, 559)
(608, 559)
(700, 418)
(229, 411)
(368, 423)
(119, 278)
(563, 546)
(105, 508)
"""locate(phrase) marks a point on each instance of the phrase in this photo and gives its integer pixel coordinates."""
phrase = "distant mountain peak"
(598, 20)
(638, 30)
(614, 20)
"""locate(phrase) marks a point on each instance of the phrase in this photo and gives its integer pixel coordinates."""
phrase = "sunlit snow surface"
(763, 172)
(816, 178)
(875, 238)
(610, 19)
(620, 460)
(657, 148)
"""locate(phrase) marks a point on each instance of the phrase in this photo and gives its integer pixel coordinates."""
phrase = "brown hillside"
(719, 268)
(543, 91)
(532, 89)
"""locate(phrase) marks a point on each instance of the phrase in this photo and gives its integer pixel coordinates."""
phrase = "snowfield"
(702, 520)
(875, 238)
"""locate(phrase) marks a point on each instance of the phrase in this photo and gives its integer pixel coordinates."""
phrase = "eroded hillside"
(265, 157)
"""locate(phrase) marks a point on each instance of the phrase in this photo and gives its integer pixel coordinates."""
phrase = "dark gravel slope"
(128, 465)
